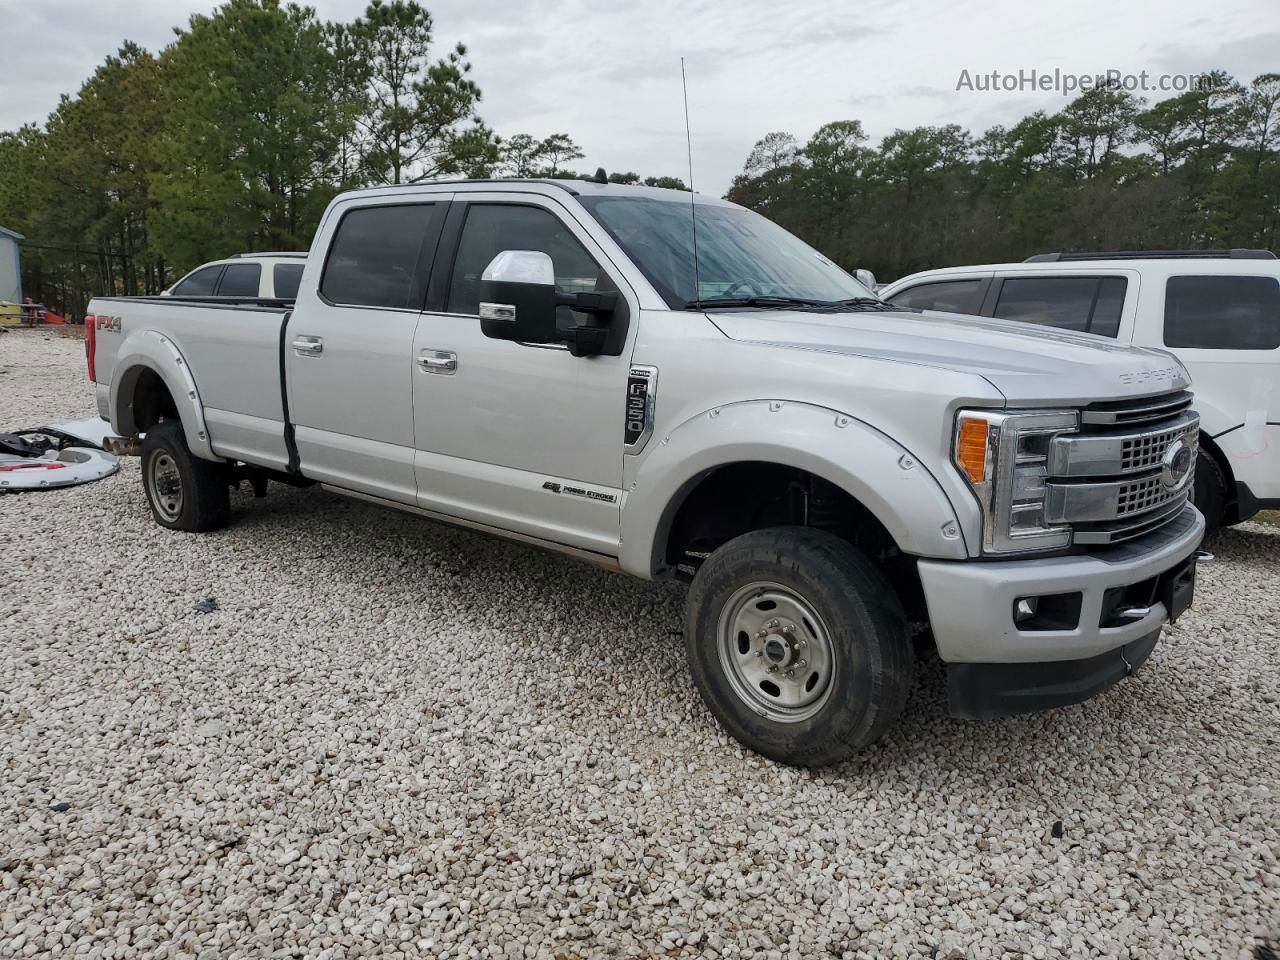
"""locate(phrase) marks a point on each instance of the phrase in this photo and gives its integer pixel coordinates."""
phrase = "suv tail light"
(90, 343)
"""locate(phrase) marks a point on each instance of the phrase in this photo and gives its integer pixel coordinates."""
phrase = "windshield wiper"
(869, 303)
(768, 301)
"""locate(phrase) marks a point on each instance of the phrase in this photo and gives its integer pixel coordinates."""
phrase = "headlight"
(1004, 457)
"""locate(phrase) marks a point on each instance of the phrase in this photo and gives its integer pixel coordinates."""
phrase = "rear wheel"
(1210, 493)
(184, 491)
(798, 645)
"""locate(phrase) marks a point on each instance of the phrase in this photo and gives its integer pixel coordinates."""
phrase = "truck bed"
(239, 374)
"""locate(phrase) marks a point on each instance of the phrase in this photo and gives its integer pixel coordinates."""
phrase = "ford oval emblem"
(1175, 465)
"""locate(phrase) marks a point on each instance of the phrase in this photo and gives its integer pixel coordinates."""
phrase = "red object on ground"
(52, 317)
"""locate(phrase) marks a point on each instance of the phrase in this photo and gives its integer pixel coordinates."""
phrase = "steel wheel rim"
(776, 652)
(166, 486)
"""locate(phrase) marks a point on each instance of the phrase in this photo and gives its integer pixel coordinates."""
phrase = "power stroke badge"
(637, 425)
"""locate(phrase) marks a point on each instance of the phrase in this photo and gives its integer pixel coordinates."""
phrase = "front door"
(349, 347)
(526, 438)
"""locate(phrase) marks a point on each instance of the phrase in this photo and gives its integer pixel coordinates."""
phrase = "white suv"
(270, 276)
(1216, 311)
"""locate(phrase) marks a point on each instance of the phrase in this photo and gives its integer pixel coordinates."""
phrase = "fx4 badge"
(642, 385)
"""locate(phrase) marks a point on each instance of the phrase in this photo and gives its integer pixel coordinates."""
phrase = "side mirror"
(518, 301)
(867, 279)
(518, 297)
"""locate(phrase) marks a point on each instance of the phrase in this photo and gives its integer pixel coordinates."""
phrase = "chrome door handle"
(308, 346)
(438, 361)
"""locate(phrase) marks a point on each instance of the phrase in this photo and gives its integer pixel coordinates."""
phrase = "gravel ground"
(333, 731)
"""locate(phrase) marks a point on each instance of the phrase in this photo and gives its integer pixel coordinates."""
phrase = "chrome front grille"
(1141, 452)
(1113, 413)
(1124, 476)
(1142, 495)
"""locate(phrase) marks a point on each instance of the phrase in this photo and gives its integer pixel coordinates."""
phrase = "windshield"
(741, 255)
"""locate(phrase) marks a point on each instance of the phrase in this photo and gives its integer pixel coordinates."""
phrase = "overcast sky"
(607, 72)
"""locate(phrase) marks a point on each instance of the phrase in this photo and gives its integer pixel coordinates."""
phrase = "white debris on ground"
(332, 731)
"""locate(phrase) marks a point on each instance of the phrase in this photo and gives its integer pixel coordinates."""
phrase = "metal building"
(10, 267)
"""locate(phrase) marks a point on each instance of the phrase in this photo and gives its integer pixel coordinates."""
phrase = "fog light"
(1025, 608)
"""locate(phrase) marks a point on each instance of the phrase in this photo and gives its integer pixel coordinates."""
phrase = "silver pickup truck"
(544, 361)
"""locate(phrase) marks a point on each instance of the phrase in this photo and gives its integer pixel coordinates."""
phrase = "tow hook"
(1204, 556)
(123, 446)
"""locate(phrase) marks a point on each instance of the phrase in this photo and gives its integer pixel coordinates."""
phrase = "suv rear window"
(200, 283)
(373, 260)
(949, 296)
(240, 280)
(1222, 313)
(1085, 304)
(285, 278)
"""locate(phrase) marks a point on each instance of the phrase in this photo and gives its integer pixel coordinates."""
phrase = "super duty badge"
(642, 383)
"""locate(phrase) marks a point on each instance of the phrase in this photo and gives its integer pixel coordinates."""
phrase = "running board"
(596, 559)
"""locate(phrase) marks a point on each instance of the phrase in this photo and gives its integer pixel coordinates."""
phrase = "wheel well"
(1209, 446)
(150, 401)
(740, 497)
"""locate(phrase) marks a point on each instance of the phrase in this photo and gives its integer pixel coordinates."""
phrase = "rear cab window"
(1222, 312)
(1084, 304)
(374, 259)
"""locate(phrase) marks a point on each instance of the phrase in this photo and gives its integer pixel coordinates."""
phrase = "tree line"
(1107, 172)
(236, 136)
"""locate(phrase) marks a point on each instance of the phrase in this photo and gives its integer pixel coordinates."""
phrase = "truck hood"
(1028, 364)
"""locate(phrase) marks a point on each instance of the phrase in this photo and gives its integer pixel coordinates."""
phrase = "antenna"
(693, 202)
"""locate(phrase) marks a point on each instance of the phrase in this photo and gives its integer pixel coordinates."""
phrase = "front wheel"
(798, 645)
(1210, 492)
(184, 491)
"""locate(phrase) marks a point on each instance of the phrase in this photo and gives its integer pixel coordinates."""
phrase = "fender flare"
(885, 477)
(152, 350)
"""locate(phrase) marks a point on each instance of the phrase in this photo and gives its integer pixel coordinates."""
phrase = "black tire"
(860, 622)
(201, 499)
(1210, 492)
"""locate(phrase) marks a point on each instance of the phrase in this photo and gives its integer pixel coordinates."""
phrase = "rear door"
(1226, 329)
(348, 350)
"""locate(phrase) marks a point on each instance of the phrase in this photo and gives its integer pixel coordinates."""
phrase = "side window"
(949, 296)
(1222, 313)
(373, 259)
(1086, 304)
(1106, 310)
(491, 228)
(285, 278)
(240, 280)
(200, 283)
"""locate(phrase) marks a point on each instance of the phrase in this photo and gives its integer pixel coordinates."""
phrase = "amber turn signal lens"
(971, 448)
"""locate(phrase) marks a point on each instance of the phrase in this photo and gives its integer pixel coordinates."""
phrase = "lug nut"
(802, 663)
(791, 674)
(802, 644)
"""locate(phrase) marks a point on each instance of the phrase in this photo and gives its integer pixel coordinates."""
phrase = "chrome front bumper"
(971, 603)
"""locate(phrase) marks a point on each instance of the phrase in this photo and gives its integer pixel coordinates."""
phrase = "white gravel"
(395, 739)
